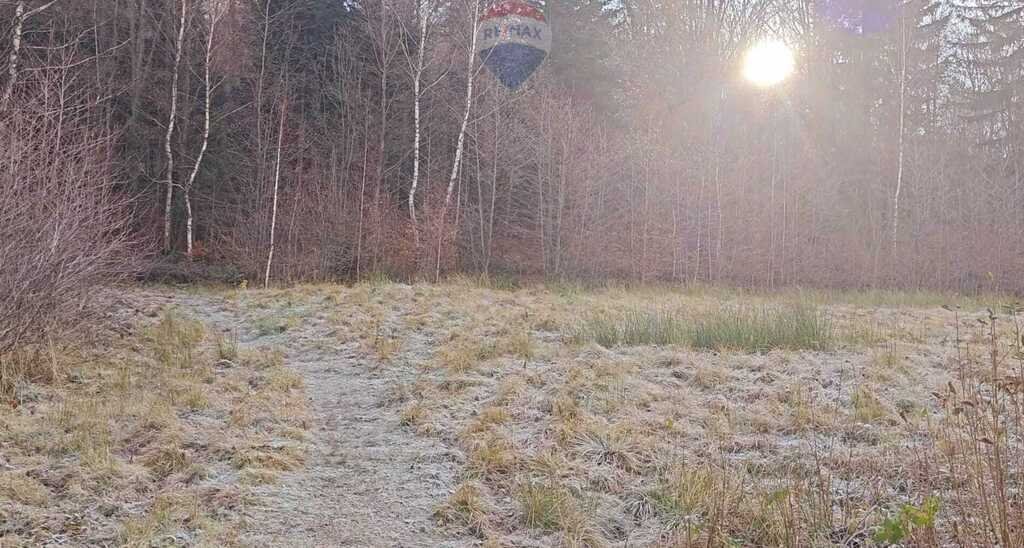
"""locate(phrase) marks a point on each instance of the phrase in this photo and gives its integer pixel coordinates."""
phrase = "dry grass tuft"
(520, 345)
(168, 514)
(553, 509)
(276, 458)
(416, 415)
(167, 459)
(461, 357)
(175, 340)
(619, 447)
(489, 418)
(542, 506)
(115, 431)
(694, 417)
(866, 405)
(467, 508)
(490, 457)
(579, 530)
(23, 489)
(227, 347)
(25, 366)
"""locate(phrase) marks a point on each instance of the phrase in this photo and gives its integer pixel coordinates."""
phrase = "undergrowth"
(795, 327)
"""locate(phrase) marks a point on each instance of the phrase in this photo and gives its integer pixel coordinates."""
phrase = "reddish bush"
(64, 228)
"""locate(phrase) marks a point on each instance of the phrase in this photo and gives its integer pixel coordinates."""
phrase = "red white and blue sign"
(513, 39)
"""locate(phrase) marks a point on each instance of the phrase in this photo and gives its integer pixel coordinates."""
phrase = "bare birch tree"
(461, 140)
(424, 9)
(277, 189)
(20, 16)
(215, 12)
(179, 47)
(902, 134)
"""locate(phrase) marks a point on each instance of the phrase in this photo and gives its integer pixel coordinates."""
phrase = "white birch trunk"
(362, 197)
(277, 186)
(902, 136)
(208, 90)
(461, 143)
(260, 137)
(12, 62)
(169, 181)
(20, 16)
(417, 96)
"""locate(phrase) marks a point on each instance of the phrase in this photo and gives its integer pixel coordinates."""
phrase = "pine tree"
(991, 56)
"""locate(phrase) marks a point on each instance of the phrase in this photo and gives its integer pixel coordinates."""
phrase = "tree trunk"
(20, 16)
(12, 62)
(277, 186)
(902, 137)
(424, 16)
(169, 153)
(138, 54)
(362, 196)
(461, 142)
(208, 89)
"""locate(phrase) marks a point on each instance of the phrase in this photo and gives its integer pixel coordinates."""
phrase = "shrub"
(978, 437)
(64, 228)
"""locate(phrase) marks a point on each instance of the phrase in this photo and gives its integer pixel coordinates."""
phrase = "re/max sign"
(513, 31)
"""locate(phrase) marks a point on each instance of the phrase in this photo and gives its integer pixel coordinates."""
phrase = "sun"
(768, 63)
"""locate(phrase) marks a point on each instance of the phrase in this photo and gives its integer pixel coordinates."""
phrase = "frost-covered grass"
(743, 328)
(146, 437)
(663, 416)
(581, 416)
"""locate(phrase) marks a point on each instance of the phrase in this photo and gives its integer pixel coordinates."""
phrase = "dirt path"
(369, 481)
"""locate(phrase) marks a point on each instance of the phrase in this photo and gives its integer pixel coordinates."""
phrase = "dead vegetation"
(148, 441)
(705, 418)
(655, 417)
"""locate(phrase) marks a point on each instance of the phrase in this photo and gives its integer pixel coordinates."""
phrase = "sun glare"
(768, 63)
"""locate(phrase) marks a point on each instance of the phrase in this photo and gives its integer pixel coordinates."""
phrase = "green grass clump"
(684, 493)
(794, 327)
(175, 340)
(542, 506)
(633, 328)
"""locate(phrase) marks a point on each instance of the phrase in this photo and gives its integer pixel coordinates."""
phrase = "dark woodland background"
(892, 158)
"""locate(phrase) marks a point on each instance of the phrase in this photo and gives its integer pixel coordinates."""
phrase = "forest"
(285, 141)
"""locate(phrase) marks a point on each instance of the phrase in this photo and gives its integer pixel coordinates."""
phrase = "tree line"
(311, 140)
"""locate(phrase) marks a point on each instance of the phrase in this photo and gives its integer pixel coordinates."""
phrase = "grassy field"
(704, 417)
(659, 417)
(584, 417)
(148, 437)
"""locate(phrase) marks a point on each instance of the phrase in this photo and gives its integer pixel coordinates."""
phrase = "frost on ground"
(564, 417)
(150, 435)
(459, 415)
(368, 481)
